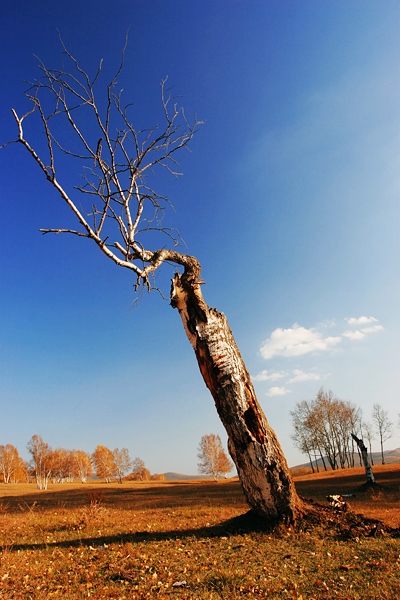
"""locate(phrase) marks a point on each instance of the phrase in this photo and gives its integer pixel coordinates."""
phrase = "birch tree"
(384, 426)
(122, 462)
(368, 430)
(302, 435)
(86, 120)
(62, 466)
(11, 464)
(42, 463)
(323, 426)
(104, 465)
(82, 465)
(139, 470)
(212, 457)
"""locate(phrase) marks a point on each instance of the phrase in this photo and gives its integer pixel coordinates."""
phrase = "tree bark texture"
(252, 444)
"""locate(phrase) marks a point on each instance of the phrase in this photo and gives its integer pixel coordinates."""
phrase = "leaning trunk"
(253, 446)
(364, 454)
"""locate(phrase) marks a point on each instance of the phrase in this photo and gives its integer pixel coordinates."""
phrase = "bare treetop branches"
(87, 121)
(384, 426)
(323, 428)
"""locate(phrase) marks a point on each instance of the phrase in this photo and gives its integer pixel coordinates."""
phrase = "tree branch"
(127, 210)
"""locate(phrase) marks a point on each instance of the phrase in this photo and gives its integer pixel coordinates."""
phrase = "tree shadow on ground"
(137, 497)
(187, 493)
(320, 520)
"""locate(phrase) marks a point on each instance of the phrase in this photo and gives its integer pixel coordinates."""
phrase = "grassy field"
(188, 540)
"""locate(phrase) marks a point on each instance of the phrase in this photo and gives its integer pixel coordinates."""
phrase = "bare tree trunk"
(311, 462)
(255, 450)
(370, 454)
(311, 459)
(316, 462)
(359, 456)
(323, 461)
(364, 454)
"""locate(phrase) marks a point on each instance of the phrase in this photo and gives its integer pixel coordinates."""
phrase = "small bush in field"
(93, 512)
(376, 494)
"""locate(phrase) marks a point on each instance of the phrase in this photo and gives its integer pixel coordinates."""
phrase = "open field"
(186, 540)
(382, 503)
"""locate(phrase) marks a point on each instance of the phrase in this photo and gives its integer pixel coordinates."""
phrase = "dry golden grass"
(185, 540)
(381, 503)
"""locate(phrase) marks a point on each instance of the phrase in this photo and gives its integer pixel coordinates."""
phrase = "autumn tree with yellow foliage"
(213, 459)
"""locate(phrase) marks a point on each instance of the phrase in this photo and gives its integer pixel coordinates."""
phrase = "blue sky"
(290, 201)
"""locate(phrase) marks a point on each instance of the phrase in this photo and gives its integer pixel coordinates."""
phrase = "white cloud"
(354, 335)
(278, 391)
(299, 375)
(360, 334)
(269, 376)
(296, 341)
(361, 320)
(372, 329)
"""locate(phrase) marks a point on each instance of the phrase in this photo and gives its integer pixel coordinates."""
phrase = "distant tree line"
(323, 429)
(61, 465)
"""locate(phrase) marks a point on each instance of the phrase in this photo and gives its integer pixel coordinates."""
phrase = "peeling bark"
(253, 446)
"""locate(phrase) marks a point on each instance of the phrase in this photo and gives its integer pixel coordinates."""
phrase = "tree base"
(319, 520)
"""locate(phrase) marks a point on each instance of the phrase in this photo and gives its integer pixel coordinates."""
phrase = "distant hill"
(171, 476)
(391, 456)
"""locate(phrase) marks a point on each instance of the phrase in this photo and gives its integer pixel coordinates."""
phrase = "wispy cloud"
(299, 375)
(296, 341)
(354, 334)
(361, 320)
(269, 375)
(372, 329)
(360, 334)
(278, 391)
(295, 376)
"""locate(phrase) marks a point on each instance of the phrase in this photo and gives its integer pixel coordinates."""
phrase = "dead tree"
(364, 455)
(118, 160)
